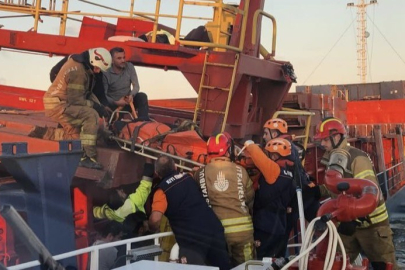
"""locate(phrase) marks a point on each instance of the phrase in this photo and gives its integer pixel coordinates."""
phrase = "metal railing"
(36, 10)
(293, 112)
(94, 251)
(263, 51)
(391, 179)
(152, 153)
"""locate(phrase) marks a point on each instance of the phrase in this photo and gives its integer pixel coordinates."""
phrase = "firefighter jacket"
(191, 219)
(134, 203)
(72, 86)
(228, 190)
(360, 166)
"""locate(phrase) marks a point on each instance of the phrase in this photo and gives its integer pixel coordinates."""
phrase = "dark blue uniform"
(269, 215)
(197, 229)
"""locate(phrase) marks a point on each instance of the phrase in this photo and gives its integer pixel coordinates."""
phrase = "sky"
(317, 36)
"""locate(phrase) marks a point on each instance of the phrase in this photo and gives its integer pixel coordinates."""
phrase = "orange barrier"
(376, 112)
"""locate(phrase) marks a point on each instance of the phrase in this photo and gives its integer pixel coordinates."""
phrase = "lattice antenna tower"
(362, 36)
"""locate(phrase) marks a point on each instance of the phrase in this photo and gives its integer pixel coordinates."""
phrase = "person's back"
(197, 229)
(71, 72)
(228, 190)
(190, 217)
(227, 186)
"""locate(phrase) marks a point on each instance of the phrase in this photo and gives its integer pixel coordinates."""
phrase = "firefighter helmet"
(328, 127)
(100, 57)
(218, 146)
(279, 146)
(277, 124)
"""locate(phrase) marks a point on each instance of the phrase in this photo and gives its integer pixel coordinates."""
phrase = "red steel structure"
(259, 88)
(268, 81)
(234, 85)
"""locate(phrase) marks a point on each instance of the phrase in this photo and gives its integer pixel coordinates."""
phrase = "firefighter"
(118, 80)
(198, 231)
(278, 128)
(134, 203)
(228, 190)
(70, 102)
(371, 235)
(273, 196)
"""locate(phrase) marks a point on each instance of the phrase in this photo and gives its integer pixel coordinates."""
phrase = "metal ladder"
(203, 85)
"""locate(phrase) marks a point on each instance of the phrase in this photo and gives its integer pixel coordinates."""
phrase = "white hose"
(174, 253)
(301, 211)
(307, 246)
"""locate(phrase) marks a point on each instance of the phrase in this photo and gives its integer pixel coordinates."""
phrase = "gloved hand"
(248, 142)
(348, 228)
(99, 211)
(148, 171)
(106, 212)
(102, 112)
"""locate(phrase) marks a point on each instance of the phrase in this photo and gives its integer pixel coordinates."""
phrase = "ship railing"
(392, 178)
(220, 29)
(94, 251)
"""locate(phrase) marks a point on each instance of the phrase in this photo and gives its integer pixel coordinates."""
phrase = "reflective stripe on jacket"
(360, 166)
(72, 86)
(228, 190)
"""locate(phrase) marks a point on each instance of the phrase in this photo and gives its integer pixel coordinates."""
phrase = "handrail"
(64, 12)
(221, 6)
(254, 26)
(94, 249)
(288, 111)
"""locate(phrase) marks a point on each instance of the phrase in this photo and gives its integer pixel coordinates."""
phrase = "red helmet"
(329, 127)
(218, 145)
(277, 124)
(279, 146)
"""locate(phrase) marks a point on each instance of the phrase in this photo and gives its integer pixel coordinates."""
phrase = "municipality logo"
(221, 184)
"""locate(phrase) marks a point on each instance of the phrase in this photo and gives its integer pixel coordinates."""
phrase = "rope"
(392, 47)
(323, 59)
(372, 48)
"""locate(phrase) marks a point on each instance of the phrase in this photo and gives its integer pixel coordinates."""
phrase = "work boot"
(90, 163)
(37, 132)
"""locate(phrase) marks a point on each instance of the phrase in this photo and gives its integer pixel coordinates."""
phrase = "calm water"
(398, 226)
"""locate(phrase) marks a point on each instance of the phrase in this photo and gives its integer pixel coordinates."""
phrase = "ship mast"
(362, 36)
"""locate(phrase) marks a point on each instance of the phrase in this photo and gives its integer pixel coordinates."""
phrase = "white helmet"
(100, 57)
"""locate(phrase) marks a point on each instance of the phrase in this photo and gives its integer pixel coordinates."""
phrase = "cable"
(392, 47)
(323, 59)
(372, 48)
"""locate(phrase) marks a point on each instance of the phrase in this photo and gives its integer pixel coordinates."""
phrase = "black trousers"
(210, 251)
